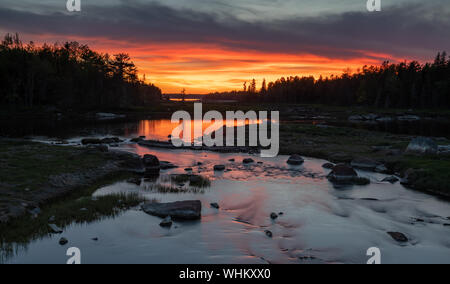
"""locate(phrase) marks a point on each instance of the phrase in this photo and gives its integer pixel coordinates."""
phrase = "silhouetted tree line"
(69, 75)
(402, 85)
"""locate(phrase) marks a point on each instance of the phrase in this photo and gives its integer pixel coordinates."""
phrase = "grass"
(28, 165)
(78, 207)
(196, 181)
(164, 188)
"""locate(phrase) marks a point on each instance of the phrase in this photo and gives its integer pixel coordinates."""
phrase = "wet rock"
(95, 239)
(182, 210)
(328, 166)
(268, 233)
(390, 179)
(342, 172)
(219, 168)
(63, 241)
(152, 165)
(295, 160)
(399, 237)
(342, 175)
(111, 140)
(232, 160)
(381, 169)
(136, 140)
(55, 229)
(166, 223)
(164, 165)
(422, 146)
(88, 141)
(248, 161)
(364, 164)
(273, 216)
(215, 205)
(188, 169)
(281, 213)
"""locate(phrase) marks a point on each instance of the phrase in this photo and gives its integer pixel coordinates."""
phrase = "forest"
(69, 75)
(400, 85)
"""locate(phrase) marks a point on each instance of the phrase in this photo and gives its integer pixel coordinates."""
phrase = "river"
(319, 224)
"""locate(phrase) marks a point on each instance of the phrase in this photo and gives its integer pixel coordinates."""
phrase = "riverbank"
(34, 174)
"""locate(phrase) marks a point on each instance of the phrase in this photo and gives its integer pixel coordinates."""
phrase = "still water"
(320, 224)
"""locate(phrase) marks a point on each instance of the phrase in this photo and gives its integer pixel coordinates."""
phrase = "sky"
(215, 45)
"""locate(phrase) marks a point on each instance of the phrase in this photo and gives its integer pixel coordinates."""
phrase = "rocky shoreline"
(16, 202)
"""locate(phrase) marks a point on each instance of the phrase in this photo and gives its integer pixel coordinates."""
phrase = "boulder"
(167, 222)
(381, 169)
(167, 165)
(295, 160)
(399, 237)
(328, 166)
(110, 140)
(181, 210)
(390, 179)
(219, 168)
(342, 172)
(248, 161)
(422, 145)
(364, 164)
(63, 241)
(151, 164)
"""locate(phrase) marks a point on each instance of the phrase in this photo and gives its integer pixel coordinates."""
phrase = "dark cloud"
(404, 31)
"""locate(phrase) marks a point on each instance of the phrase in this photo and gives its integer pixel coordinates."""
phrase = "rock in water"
(152, 165)
(63, 241)
(422, 145)
(295, 160)
(391, 179)
(167, 222)
(328, 166)
(215, 205)
(269, 233)
(181, 210)
(364, 164)
(273, 216)
(342, 172)
(219, 168)
(399, 237)
(248, 161)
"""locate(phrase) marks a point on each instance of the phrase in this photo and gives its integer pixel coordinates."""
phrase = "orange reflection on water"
(161, 129)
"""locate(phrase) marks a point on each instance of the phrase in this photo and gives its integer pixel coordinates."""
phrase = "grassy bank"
(341, 144)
